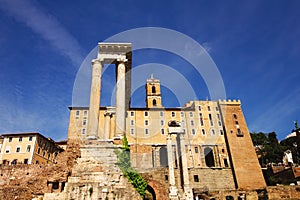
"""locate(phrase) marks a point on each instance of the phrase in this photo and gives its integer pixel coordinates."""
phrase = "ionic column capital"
(122, 60)
(96, 61)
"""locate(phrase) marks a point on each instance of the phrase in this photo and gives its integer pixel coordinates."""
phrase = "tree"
(131, 174)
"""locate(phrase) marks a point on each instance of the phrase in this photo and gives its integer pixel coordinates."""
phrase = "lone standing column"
(186, 183)
(94, 99)
(120, 98)
(172, 188)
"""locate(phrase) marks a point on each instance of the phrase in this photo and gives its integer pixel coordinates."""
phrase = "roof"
(27, 134)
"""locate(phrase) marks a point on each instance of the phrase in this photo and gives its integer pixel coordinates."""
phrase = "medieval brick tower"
(153, 93)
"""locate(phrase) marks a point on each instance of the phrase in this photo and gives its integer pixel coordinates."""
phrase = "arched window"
(154, 102)
(209, 157)
(153, 89)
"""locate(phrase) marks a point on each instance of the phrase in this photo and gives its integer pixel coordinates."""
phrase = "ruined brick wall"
(141, 156)
(28, 181)
(283, 192)
(212, 179)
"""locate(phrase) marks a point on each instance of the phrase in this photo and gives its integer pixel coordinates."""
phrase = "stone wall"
(283, 192)
(213, 179)
(29, 181)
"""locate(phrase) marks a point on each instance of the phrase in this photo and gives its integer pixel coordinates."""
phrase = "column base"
(91, 137)
(188, 192)
(173, 192)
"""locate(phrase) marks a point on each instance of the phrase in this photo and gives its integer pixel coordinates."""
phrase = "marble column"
(120, 98)
(107, 125)
(186, 182)
(92, 131)
(172, 189)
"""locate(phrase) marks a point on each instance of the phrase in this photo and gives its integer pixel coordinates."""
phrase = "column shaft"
(120, 99)
(186, 182)
(107, 126)
(93, 119)
(172, 189)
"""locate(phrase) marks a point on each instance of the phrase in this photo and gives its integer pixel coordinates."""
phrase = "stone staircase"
(96, 176)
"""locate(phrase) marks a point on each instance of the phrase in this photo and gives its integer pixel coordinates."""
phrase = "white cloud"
(46, 26)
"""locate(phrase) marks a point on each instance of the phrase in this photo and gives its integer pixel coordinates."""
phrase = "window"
(10, 139)
(44, 153)
(77, 112)
(213, 132)
(192, 122)
(221, 132)
(218, 116)
(193, 132)
(182, 114)
(83, 131)
(85, 113)
(132, 122)
(146, 113)
(162, 131)
(30, 138)
(208, 108)
(18, 149)
(203, 132)
(37, 162)
(161, 122)
(154, 102)
(20, 139)
(199, 108)
(219, 122)
(217, 109)
(84, 122)
(39, 150)
(201, 119)
(182, 123)
(191, 114)
(236, 122)
(26, 161)
(239, 132)
(196, 178)
(173, 114)
(161, 113)
(146, 122)
(7, 150)
(28, 148)
(131, 131)
(196, 150)
(225, 162)
(153, 89)
(146, 131)
(131, 113)
(166, 177)
(223, 150)
(48, 156)
(210, 119)
(234, 116)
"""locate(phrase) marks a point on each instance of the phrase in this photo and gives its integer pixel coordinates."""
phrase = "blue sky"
(255, 45)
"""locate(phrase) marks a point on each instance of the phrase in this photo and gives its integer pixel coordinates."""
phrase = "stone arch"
(209, 157)
(150, 193)
(159, 189)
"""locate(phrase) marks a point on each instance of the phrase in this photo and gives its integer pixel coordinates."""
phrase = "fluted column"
(94, 99)
(120, 98)
(172, 188)
(107, 125)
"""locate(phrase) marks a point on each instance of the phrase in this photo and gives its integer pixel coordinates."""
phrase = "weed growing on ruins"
(131, 174)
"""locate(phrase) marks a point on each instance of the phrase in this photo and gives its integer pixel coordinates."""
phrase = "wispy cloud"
(47, 26)
(275, 117)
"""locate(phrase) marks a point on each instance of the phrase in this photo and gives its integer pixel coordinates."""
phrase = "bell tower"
(153, 94)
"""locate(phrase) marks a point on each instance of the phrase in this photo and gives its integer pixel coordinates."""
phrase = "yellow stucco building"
(28, 148)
